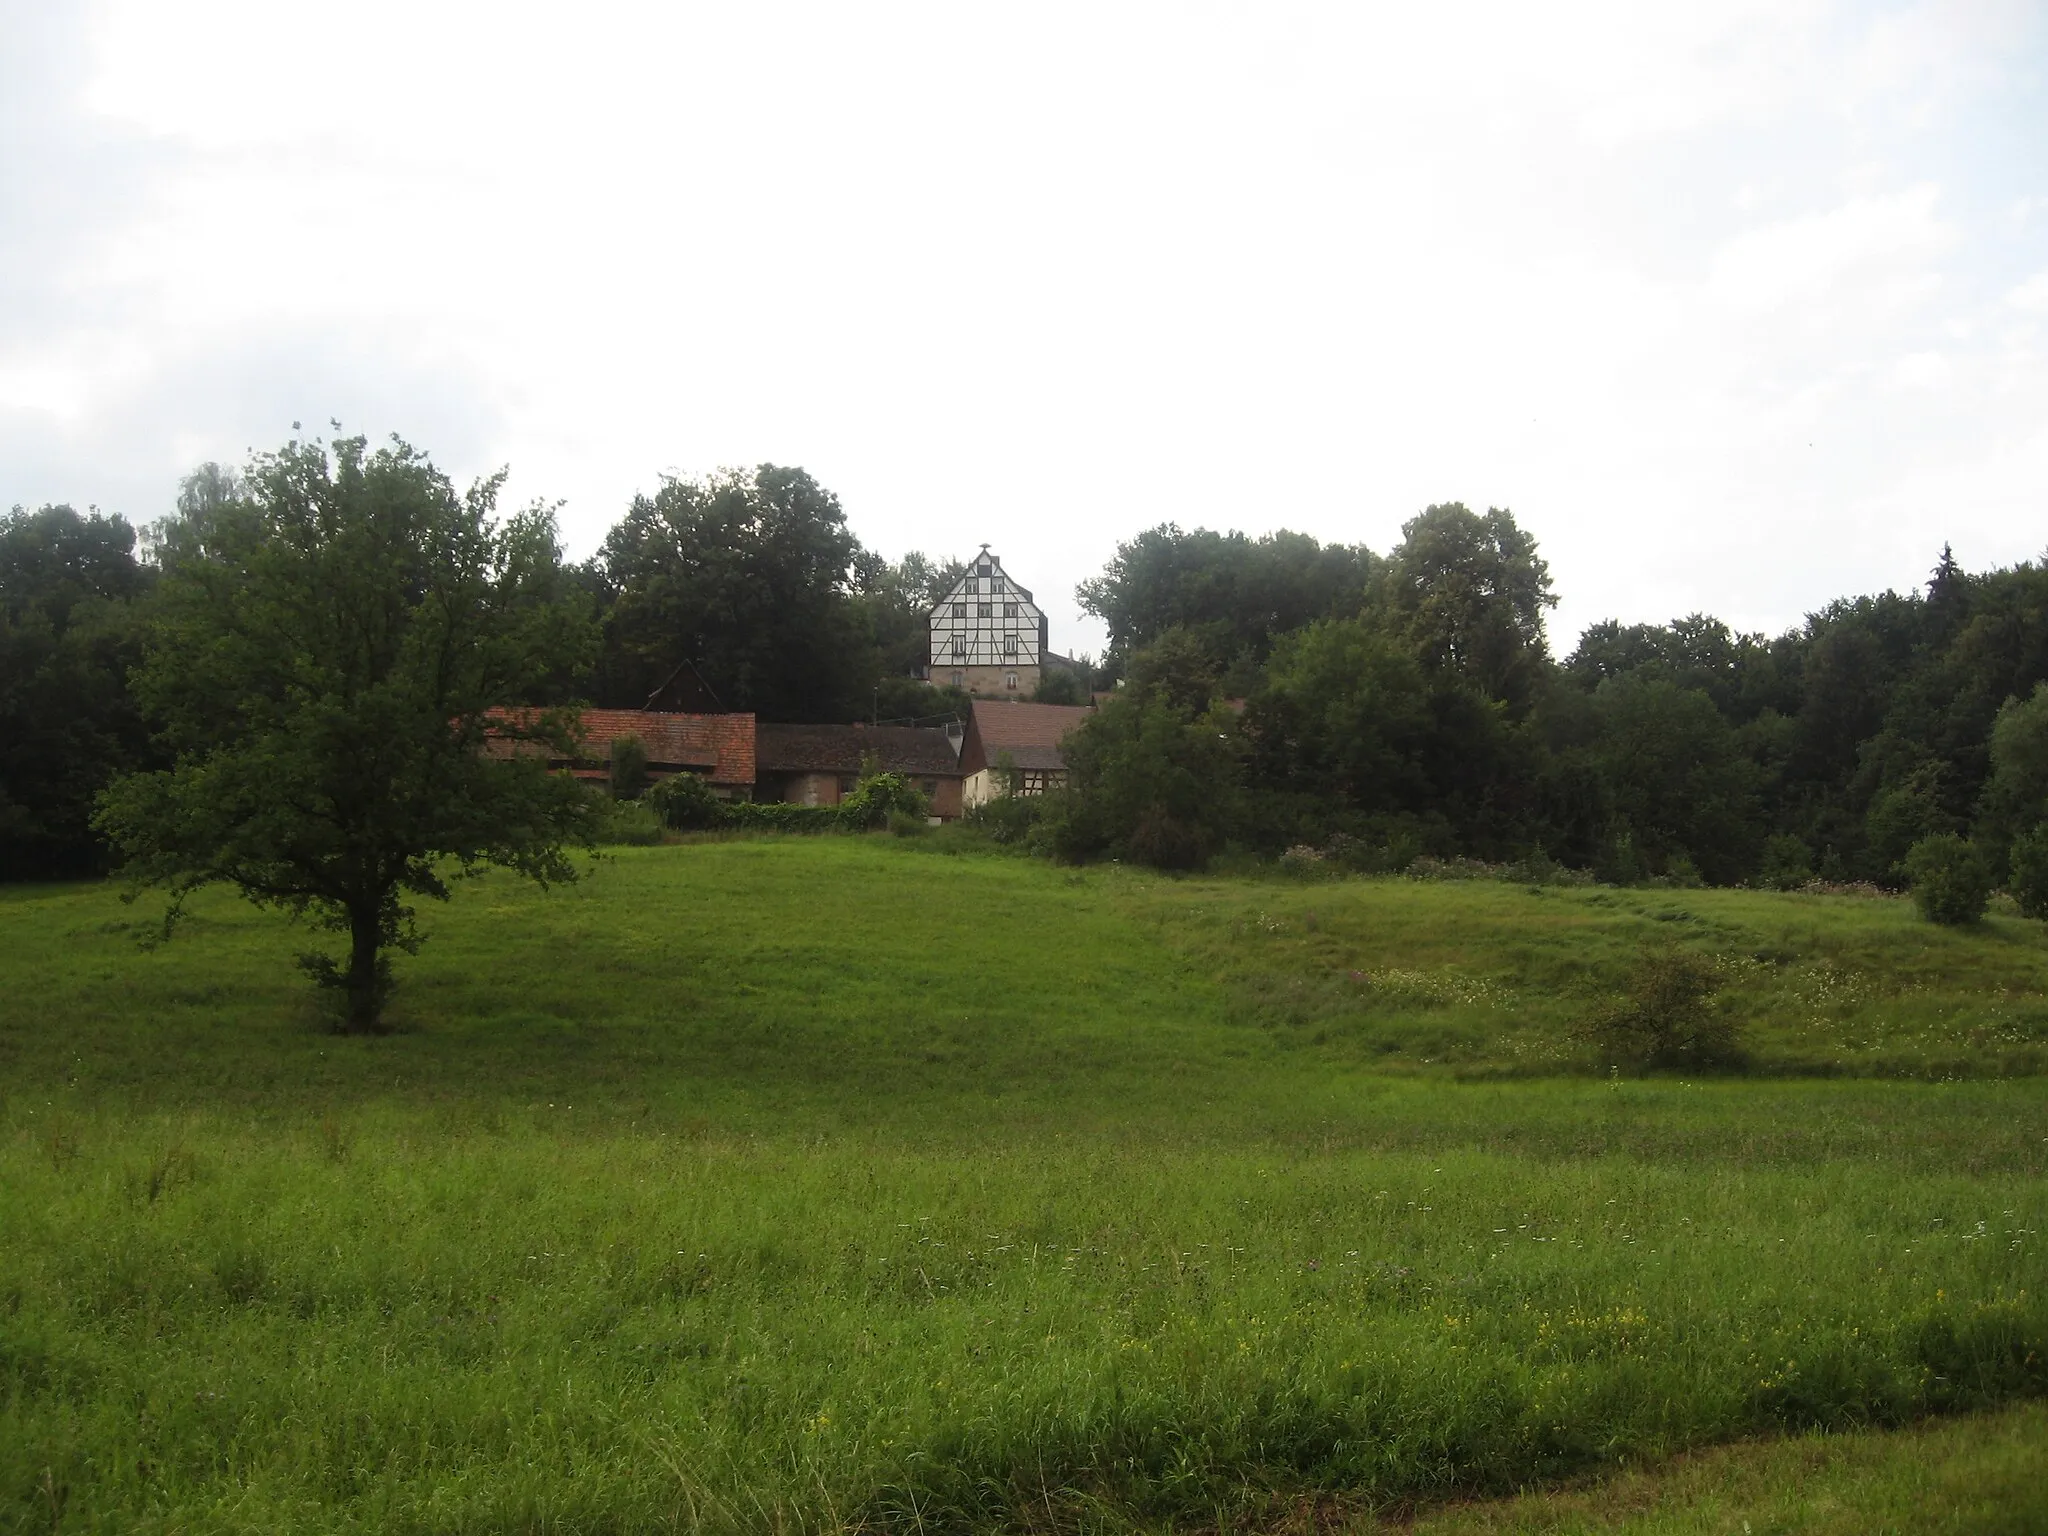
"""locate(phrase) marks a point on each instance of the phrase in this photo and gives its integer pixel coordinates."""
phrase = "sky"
(1738, 307)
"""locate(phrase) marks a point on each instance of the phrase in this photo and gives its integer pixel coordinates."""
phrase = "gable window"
(973, 584)
(1009, 610)
(981, 610)
(1009, 645)
(959, 610)
(959, 646)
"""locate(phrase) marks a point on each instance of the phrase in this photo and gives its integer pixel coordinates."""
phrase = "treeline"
(1273, 692)
(1278, 692)
(744, 590)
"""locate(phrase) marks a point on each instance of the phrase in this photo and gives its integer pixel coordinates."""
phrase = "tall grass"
(753, 1186)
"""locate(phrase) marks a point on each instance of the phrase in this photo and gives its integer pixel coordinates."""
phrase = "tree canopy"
(748, 576)
(1231, 593)
(70, 587)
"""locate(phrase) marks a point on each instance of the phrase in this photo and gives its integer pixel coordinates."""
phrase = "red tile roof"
(1030, 733)
(720, 746)
(907, 749)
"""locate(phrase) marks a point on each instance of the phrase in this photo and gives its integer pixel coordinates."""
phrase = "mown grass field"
(816, 1184)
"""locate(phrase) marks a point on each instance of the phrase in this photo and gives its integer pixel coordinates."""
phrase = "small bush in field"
(1006, 818)
(1951, 879)
(631, 825)
(1304, 863)
(1787, 863)
(1665, 1017)
(908, 824)
(2029, 880)
(684, 801)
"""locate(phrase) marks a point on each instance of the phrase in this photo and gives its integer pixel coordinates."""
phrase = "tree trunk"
(365, 990)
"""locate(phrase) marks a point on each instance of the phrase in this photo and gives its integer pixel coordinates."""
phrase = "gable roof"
(908, 749)
(685, 692)
(1030, 733)
(1008, 585)
(719, 746)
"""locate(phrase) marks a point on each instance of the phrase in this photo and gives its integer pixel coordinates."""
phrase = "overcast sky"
(1737, 307)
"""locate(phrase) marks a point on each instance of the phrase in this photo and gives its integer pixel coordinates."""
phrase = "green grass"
(820, 1183)
(1978, 1476)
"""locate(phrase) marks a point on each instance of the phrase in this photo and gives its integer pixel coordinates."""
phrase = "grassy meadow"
(811, 1184)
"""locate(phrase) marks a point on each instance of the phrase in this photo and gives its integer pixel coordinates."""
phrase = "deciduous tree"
(1471, 592)
(326, 661)
(748, 575)
(70, 588)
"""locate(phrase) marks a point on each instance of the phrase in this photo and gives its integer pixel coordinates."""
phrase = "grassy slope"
(814, 1182)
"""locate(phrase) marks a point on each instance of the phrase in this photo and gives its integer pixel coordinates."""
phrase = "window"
(959, 610)
(973, 584)
(1009, 679)
(959, 679)
(1009, 645)
(982, 569)
(959, 647)
(981, 610)
(1009, 610)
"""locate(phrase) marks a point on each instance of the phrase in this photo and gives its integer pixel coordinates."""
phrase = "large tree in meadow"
(331, 641)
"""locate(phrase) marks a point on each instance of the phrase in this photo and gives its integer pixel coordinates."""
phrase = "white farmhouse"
(988, 637)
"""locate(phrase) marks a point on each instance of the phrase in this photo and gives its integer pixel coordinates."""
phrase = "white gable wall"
(984, 629)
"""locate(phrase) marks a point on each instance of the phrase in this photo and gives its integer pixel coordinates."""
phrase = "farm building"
(719, 747)
(818, 764)
(987, 636)
(1023, 737)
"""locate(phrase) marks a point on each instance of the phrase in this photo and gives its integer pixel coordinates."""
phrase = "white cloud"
(2032, 295)
(1048, 277)
(1922, 370)
(1882, 247)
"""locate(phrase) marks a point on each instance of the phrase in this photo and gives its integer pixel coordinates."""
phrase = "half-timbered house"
(987, 636)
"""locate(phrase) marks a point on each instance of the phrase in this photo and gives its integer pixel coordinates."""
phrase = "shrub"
(1681, 871)
(877, 798)
(778, 816)
(630, 825)
(1389, 852)
(629, 767)
(1305, 863)
(1665, 1017)
(684, 801)
(1787, 863)
(1164, 841)
(1006, 818)
(1618, 862)
(908, 824)
(880, 799)
(1149, 780)
(1951, 879)
(2029, 879)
